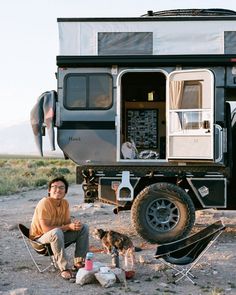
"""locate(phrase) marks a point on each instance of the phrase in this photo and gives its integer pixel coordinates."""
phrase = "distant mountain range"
(18, 139)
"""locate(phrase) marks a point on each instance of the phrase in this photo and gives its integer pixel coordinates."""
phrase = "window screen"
(230, 42)
(125, 43)
(192, 96)
(88, 91)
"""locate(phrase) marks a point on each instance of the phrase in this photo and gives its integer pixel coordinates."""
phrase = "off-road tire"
(162, 212)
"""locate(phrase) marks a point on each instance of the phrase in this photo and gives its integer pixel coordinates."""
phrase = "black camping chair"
(42, 249)
(183, 255)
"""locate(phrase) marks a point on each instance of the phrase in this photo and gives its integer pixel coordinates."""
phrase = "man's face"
(57, 190)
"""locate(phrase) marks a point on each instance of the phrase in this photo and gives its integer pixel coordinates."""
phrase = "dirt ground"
(215, 272)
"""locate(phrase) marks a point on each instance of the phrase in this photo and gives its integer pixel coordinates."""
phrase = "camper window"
(192, 95)
(75, 92)
(127, 43)
(88, 91)
(187, 108)
(186, 95)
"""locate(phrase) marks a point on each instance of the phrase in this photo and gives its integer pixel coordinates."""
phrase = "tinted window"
(118, 43)
(230, 42)
(76, 92)
(88, 91)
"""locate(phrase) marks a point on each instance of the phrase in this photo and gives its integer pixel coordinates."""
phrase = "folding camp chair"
(183, 255)
(42, 249)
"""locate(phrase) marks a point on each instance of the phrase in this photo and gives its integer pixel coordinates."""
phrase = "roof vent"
(150, 13)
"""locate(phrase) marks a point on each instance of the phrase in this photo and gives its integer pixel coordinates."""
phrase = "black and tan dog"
(120, 241)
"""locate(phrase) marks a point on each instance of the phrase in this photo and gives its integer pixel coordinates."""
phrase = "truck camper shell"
(144, 106)
(154, 52)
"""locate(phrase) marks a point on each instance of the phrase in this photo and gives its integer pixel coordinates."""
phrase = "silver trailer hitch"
(125, 191)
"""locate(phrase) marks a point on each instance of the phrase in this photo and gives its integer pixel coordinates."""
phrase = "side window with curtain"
(186, 100)
(88, 91)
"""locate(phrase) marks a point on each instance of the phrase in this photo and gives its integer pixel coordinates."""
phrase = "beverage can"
(89, 261)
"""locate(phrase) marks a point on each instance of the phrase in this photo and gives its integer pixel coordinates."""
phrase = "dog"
(112, 239)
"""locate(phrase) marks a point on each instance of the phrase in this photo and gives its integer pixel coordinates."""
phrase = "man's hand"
(75, 225)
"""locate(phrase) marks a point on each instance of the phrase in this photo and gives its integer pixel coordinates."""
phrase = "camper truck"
(146, 107)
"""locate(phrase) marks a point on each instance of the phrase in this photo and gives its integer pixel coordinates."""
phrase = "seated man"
(51, 223)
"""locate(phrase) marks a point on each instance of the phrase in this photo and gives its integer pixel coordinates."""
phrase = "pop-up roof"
(205, 32)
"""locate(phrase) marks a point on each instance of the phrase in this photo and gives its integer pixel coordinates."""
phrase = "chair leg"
(186, 275)
(32, 257)
(183, 272)
(53, 261)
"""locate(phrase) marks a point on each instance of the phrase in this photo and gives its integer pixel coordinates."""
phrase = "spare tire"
(162, 213)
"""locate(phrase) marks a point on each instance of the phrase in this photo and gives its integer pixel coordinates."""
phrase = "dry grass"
(19, 174)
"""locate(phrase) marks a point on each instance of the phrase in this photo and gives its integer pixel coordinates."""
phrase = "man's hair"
(60, 178)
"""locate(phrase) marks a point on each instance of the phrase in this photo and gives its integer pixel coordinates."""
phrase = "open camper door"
(190, 124)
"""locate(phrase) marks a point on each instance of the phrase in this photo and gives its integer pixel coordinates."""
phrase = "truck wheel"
(163, 212)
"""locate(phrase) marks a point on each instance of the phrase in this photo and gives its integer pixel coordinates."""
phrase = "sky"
(29, 42)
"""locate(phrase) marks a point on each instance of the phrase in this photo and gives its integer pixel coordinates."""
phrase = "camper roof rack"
(192, 12)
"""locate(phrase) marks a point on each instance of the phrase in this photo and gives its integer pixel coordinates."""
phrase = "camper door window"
(188, 110)
(88, 91)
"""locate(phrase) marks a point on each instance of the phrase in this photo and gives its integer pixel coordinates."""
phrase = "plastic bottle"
(89, 261)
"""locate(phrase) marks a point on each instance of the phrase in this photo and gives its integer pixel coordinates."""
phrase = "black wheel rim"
(162, 215)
